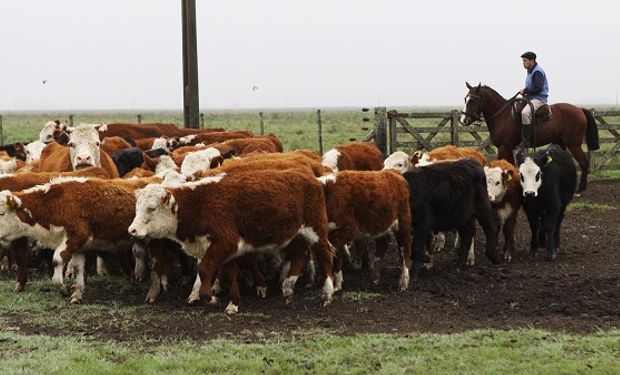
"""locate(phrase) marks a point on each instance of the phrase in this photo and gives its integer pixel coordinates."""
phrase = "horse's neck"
(495, 104)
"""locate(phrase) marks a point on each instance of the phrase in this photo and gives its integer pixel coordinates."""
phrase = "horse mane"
(493, 90)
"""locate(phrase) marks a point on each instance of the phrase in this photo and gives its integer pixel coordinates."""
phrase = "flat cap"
(529, 55)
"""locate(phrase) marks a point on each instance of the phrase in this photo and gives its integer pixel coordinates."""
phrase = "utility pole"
(191, 117)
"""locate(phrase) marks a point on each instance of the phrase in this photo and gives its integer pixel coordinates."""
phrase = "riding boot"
(526, 134)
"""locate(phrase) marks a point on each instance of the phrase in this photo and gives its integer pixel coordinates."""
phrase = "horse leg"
(584, 164)
(505, 152)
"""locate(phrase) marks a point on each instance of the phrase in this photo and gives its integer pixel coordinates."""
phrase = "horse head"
(472, 109)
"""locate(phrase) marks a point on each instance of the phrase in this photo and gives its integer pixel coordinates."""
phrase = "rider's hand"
(522, 92)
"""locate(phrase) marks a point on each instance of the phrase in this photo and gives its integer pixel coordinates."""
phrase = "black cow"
(448, 196)
(130, 158)
(549, 180)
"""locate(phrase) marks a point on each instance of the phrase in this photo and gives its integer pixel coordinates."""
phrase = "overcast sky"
(126, 54)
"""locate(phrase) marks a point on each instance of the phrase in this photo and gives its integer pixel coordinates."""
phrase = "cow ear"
(508, 175)
(486, 168)
(468, 85)
(418, 154)
(61, 137)
(57, 122)
(13, 203)
(520, 157)
(150, 162)
(101, 128)
(20, 150)
(169, 201)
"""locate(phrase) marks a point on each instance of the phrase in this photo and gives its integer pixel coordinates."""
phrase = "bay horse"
(566, 128)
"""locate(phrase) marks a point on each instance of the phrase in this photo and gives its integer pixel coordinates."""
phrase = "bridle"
(476, 115)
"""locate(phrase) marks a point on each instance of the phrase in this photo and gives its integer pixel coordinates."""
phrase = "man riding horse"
(536, 91)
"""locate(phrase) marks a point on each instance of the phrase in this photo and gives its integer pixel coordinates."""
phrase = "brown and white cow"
(72, 215)
(83, 149)
(505, 194)
(138, 131)
(364, 156)
(219, 218)
(47, 133)
(21, 181)
(265, 144)
(371, 203)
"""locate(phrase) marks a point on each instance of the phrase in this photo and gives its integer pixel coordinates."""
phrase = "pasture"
(561, 316)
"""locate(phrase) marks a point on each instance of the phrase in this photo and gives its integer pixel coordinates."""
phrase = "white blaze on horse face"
(330, 159)
(84, 146)
(33, 151)
(463, 117)
(495, 184)
(156, 215)
(199, 161)
(531, 177)
(398, 161)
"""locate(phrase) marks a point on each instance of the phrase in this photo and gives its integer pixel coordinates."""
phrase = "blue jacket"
(536, 85)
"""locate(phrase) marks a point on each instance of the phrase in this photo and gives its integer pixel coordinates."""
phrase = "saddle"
(542, 114)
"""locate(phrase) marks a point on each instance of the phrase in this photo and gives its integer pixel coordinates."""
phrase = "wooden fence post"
(202, 120)
(454, 123)
(262, 123)
(1, 132)
(319, 125)
(139, 118)
(71, 120)
(381, 129)
(392, 134)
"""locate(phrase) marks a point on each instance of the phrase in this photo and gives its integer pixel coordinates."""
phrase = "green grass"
(586, 206)
(475, 352)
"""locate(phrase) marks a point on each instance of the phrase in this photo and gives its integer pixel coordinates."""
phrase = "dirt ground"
(578, 292)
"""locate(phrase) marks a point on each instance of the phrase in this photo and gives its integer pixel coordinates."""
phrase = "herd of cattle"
(229, 198)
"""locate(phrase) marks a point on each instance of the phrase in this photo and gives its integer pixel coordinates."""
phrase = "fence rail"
(433, 130)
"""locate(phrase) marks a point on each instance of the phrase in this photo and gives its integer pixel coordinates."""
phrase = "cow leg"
(309, 271)
(324, 252)
(4, 261)
(102, 269)
(558, 225)
(79, 263)
(139, 253)
(471, 254)
(161, 270)
(208, 266)
(125, 262)
(485, 218)
(229, 275)
(438, 241)
(584, 165)
(296, 262)
(403, 238)
(549, 223)
(505, 152)
(257, 275)
(70, 270)
(62, 255)
(195, 294)
(358, 250)
(339, 238)
(509, 237)
(420, 238)
(22, 254)
(534, 222)
(381, 246)
(466, 235)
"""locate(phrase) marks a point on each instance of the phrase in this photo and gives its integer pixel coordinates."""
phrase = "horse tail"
(591, 131)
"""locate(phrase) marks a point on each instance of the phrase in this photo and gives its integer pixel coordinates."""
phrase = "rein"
(476, 116)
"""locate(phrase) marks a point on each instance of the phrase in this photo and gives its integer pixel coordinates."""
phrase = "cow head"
(84, 147)
(162, 143)
(33, 150)
(531, 174)
(202, 160)
(11, 226)
(47, 133)
(497, 182)
(156, 213)
(398, 161)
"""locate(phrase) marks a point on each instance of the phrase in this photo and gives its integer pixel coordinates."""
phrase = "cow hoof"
(216, 288)
(507, 256)
(18, 288)
(231, 309)
(404, 281)
(288, 299)
(151, 296)
(69, 273)
(76, 297)
(14, 267)
(428, 266)
(261, 291)
(214, 301)
(327, 301)
(338, 279)
(63, 290)
(193, 298)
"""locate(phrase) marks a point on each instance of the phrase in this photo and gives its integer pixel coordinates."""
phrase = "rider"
(536, 91)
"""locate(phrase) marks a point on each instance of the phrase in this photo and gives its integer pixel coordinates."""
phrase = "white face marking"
(398, 161)
(187, 139)
(165, 165)
(174, 178)
(33, 151)
(463, 117)
(47, 133)
(327, 178)
(205, 181)
(8, 166)
(44, 188)
(84, 146)
(330, 159)
(531, 177)
(424, 161)
(199, 161)
(495, 183)
(155, 217)
(160, 143)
